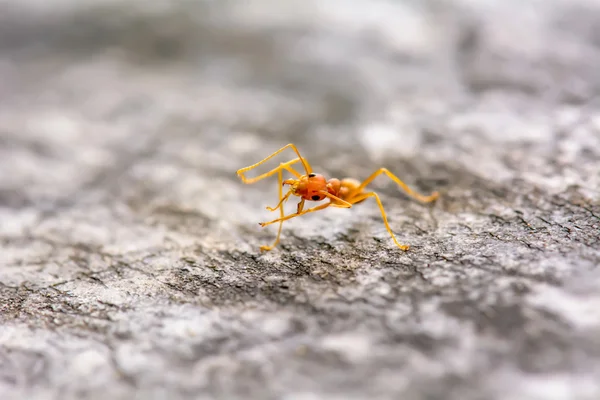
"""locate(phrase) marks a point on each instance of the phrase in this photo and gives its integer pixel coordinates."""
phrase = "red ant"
(342, 193)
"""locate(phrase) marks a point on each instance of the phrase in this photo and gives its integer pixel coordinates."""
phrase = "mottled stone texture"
(129, 262)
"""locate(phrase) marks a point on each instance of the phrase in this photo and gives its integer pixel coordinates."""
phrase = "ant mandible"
(342, 193)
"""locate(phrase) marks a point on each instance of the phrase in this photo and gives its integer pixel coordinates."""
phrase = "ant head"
(309, 187)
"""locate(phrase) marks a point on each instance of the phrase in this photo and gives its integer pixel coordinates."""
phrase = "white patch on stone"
(581, 311)
(381, 140)
(353, 346)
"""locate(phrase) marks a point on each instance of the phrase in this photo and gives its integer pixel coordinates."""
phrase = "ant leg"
(282, 199)
(338, 202)
(364, 196)
(286, 166)
(305, 163)
(334, 201)
(409, 191)
(313, 209)
(300, 206)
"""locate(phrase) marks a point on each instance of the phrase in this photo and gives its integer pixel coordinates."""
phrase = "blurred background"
(210, 86)
(129, 258)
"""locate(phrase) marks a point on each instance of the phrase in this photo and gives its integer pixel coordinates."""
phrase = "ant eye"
(316, 197)
(312, 175)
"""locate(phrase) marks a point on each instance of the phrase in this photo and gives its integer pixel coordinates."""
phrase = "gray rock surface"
(129, 262)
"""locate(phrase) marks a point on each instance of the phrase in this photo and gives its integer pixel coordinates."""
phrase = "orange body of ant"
(342, 193)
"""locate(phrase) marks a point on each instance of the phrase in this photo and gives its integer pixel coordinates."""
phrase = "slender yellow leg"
(362, 196)
(305, 163)
(290, 216)
(281, 212)
(288, 194)
(286, 166)
(337, 202)
(409, 191)
(283, 199)
(300, 206)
